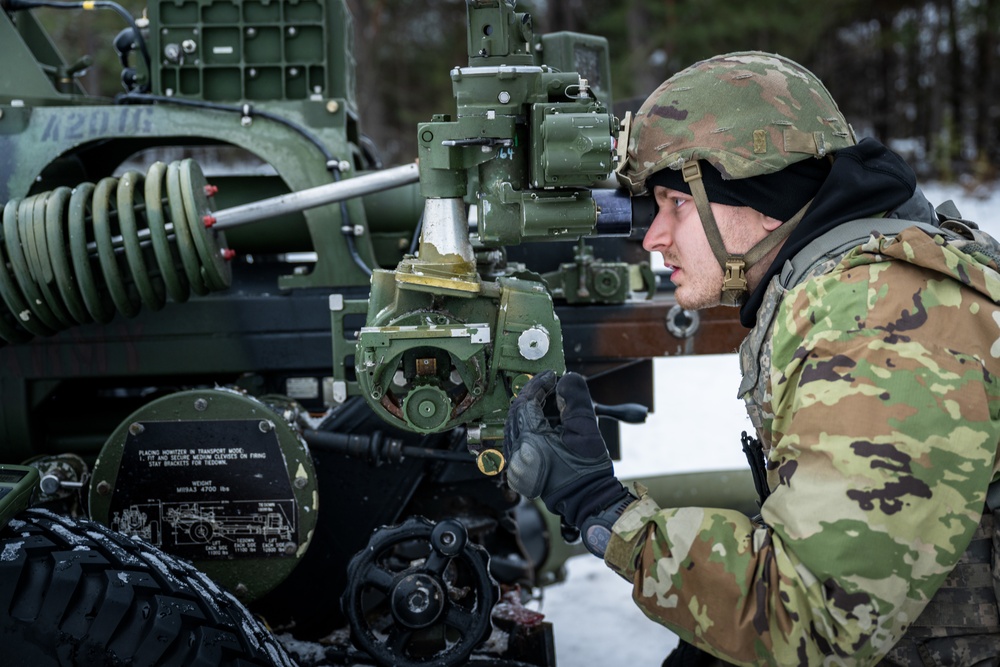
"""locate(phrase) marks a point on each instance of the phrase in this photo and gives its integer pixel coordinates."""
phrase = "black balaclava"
(779, 195)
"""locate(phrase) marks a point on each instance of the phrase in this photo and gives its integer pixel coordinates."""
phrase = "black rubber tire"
(73, 592)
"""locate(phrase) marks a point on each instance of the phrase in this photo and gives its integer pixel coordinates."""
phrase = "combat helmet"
(746, 114)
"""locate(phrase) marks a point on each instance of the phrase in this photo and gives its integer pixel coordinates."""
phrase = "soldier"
(871, 373)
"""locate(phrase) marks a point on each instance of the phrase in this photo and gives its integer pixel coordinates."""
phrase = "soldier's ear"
(769, 224)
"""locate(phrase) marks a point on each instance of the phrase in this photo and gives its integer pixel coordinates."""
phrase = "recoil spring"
(73, 256)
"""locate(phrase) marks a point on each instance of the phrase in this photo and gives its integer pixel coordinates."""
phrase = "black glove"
(568, 465)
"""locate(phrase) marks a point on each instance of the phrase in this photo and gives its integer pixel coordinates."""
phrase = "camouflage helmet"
(747, 114)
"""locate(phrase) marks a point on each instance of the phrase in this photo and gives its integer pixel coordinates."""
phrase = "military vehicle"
(244, 367)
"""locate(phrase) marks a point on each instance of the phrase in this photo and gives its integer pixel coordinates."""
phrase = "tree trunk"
(955, 78)
(985, 84)
(645, 79)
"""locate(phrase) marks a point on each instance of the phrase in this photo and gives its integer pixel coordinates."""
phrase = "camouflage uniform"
(873, 384)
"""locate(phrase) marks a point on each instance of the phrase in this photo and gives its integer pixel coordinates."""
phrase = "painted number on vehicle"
(93, 124)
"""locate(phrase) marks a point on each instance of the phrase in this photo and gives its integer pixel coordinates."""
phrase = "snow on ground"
(696, 426)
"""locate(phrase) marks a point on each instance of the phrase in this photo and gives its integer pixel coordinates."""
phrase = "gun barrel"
(321, 195)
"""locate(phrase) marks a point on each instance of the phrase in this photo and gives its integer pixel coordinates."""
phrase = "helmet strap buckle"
(736, 277)
(691, 171)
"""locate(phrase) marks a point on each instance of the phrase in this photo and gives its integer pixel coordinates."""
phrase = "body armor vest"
(961, 624)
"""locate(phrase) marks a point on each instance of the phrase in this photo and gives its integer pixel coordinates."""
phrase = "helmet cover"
(746, 113)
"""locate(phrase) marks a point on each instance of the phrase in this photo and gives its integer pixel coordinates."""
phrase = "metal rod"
(318, 196)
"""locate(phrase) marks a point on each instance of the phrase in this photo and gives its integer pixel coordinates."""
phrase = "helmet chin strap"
(734, 266)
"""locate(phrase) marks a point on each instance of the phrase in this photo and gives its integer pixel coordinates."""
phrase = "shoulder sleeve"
(884, 441)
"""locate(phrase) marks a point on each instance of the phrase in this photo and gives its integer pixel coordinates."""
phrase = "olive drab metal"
(227, 332)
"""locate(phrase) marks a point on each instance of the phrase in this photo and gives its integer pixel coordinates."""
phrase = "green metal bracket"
(343, 347)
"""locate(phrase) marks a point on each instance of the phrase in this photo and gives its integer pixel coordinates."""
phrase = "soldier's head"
(733, 148)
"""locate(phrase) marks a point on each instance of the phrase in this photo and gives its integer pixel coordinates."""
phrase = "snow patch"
(11, 551)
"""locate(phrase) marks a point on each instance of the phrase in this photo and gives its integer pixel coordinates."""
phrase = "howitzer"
(229, 333)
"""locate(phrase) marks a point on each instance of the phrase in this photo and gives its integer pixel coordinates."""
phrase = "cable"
(15, 5)
(332, 163)
(348, 231)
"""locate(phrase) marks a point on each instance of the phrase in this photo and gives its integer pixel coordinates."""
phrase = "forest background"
(920, 75)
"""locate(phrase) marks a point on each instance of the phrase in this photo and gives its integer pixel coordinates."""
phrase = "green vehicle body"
(363, 351)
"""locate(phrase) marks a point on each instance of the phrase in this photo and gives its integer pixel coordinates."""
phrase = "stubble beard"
(698, 295)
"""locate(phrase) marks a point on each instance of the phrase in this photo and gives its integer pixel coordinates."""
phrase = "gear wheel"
(420, 594)
(427, 408)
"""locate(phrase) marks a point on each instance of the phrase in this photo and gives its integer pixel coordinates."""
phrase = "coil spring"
(73, 256)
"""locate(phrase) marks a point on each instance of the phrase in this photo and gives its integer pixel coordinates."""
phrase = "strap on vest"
(842, 238)
(993, 496)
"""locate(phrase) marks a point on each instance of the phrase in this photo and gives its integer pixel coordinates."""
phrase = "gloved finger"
(536, 389)
(581, 433)
(573, 397)
(526, 471)
(526, 412)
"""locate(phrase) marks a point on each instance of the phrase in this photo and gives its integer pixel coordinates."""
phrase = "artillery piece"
(227, 332)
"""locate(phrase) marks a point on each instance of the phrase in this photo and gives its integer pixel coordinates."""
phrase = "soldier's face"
(678, 235)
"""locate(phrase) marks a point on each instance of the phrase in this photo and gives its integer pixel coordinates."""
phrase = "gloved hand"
(568, 465)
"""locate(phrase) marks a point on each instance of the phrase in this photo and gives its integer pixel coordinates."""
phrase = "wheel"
(420, 594)
(73, 592)
(201, 532)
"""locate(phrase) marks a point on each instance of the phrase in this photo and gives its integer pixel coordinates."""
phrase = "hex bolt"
(189, 46)
(503, 97)
(265, 425)
(135, 428)
(418, 600)
(333, 106)
(291, 548)
(103, 488)
(300, 482)
(200, 404)
(251, 32)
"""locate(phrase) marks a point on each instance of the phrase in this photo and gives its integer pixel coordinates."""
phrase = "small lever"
(630, 413)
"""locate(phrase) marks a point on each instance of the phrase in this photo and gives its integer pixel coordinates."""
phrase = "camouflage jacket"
(881, 417)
